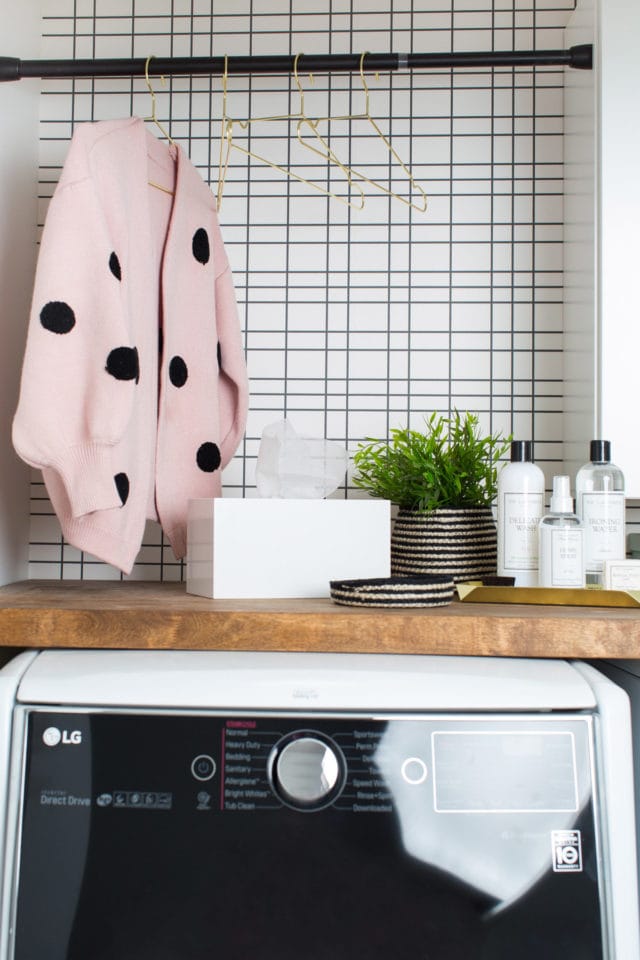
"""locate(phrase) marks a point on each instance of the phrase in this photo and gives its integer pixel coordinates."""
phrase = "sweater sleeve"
(80, 369)
(233, 386)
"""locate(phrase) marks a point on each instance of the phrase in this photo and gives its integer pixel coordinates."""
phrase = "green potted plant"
(444, 480)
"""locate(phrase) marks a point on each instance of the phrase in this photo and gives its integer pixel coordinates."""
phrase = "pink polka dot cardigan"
(134, 388)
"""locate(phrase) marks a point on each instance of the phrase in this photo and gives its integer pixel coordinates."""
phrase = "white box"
(242, 548)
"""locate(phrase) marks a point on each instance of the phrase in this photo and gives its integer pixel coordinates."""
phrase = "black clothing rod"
(12, 68)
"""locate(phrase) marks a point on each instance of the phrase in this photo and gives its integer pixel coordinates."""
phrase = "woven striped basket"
(462, 543)
(393, 592)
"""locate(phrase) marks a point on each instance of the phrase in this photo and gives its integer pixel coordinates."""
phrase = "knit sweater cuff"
(90, 481)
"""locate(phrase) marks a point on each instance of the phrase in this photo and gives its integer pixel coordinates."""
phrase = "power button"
(203, 767)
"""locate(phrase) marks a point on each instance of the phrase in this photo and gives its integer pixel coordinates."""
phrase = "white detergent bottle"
(600, 504)
(520, 508)
(561, 541)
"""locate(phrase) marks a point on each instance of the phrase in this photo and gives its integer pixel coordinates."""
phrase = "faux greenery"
(448, 465)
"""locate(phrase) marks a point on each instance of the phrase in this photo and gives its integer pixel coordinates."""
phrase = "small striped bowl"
(421, 591)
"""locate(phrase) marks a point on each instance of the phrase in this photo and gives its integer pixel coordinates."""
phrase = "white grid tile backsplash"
(355, 321)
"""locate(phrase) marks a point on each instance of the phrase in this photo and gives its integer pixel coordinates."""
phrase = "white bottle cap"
(561, 499)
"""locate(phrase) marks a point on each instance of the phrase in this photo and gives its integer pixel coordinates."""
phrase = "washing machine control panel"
(306, 767)
(464, 832)
(306, 770)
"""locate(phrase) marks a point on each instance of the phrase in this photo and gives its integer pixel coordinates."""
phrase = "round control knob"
(307, 771)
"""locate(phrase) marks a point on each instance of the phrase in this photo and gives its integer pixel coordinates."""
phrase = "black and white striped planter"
(462, 543)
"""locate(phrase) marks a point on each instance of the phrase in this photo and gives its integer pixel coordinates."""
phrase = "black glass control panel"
(203, 837)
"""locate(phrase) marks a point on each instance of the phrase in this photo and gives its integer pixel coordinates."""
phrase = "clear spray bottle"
(561, 541)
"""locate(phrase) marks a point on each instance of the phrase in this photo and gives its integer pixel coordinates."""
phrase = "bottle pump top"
(600, 451)
(521, 451)
(561, 499)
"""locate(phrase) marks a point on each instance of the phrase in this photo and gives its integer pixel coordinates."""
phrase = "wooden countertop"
(142, 615)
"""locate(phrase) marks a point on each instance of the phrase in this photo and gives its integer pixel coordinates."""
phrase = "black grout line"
(327, 252)
(533, 248)
(492, 201)
(450, 401)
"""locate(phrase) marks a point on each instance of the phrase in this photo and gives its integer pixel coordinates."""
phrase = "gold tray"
(477, 593)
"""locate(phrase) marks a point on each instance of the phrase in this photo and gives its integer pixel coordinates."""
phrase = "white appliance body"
(626, 673)
(314, 807)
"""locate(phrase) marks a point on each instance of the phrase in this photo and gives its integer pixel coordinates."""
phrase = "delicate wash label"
(522, 512)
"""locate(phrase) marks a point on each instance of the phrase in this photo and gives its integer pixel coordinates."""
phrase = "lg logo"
(52, 736)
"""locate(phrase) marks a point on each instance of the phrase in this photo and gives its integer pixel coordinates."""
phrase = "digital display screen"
(502, 772)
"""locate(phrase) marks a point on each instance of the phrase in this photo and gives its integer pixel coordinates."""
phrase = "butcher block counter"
(143, 615)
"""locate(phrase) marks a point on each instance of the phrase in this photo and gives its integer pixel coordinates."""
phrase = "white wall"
(602, 241)
(618, 234)
(18, 217)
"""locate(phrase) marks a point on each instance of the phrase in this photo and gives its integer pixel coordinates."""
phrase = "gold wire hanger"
(421, 206)
(227, 141)
(226, 138)
(153, 119)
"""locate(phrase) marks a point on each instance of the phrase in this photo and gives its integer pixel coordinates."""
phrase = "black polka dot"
(114, 266)
(208, 457)
(122, 363)
(121, 481)
(219, 355)
(200, 245)
(57, 317)
(178, 372)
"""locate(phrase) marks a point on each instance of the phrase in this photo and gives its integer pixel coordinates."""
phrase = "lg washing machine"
(163, 805)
